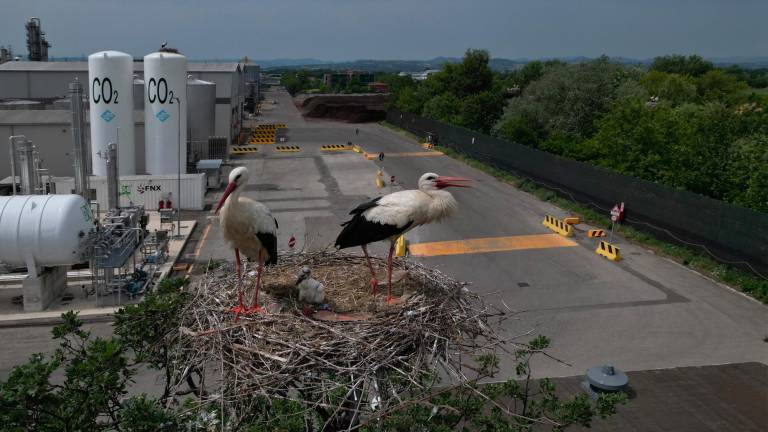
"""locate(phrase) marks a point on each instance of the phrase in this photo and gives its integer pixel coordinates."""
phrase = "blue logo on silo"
(108, 116)
(162, 115)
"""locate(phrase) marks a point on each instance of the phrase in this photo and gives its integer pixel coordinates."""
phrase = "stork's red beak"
(444, 182)
(230, 187)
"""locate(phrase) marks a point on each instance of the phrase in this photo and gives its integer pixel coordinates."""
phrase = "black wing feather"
(269, 242)
(360, 231)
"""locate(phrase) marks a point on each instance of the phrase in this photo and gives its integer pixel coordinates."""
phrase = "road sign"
(615, 212)
(381, 156)
(391, 179)
(292, 242)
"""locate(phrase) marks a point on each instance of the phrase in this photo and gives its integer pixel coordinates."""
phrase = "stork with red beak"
(248, 226)
(389, 216)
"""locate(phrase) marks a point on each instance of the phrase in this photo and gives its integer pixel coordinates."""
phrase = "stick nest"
(340, 367)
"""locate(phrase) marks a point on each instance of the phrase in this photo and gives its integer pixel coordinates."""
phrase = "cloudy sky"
(394, 29)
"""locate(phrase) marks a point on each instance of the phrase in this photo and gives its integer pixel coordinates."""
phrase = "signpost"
(617, 213)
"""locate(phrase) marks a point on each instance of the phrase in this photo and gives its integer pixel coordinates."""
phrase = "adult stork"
(248, 226)
(389, 216)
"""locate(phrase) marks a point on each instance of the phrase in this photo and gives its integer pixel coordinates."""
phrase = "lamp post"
(178, 178)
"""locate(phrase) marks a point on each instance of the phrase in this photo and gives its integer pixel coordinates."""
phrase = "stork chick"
(390, 216)
(311, 291)
(249, 226)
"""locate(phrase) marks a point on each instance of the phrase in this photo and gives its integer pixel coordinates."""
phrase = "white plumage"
(392, 215)
(248, 226)
(310, 290)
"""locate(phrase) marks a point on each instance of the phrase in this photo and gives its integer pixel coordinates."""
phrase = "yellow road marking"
(490, 244)
(199, 247)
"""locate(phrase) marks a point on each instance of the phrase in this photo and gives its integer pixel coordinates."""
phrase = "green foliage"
(692, 65)
(671, 88)
(144, 414)
(96, 378)
(295, 82)
(566, 100)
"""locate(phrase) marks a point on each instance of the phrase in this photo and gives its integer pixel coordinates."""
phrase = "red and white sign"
(292, 242)
(617, 212)
(391, 179)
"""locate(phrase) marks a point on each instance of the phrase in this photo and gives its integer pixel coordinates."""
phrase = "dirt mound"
(356, 108)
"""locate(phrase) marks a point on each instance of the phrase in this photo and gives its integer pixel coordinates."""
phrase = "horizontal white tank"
(110, 87)
(165, 119)
(44, 230)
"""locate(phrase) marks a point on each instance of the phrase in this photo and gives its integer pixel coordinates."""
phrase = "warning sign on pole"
(292, 242)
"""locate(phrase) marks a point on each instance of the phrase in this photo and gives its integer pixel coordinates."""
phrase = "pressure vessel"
(44, 230)
(110, 90)
(165, 112)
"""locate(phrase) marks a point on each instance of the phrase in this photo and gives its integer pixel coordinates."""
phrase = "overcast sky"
(394, 29)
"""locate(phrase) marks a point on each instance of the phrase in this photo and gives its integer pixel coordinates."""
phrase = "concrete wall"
(54, 141)
(38, 84)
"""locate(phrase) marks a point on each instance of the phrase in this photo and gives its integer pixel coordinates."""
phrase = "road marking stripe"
(490, 244)
(199, 247)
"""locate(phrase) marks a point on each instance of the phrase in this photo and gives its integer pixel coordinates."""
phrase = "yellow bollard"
(380, 179)
(400, 246)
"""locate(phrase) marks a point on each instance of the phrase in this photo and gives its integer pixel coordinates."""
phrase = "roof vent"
(602, 379)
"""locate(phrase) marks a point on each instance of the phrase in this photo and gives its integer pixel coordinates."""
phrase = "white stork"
(248, 226)
(389, 216)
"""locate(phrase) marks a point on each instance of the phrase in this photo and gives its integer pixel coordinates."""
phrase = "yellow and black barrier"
(261, 141)
(558, 226)
(608, 250)
(596, 233)
(400, 246)
(335, 147)
(357, 149)
(244, 149)
(572, 220)
(287, 149)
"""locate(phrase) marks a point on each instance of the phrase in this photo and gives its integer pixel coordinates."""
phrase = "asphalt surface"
(642, 313)
(645, 312)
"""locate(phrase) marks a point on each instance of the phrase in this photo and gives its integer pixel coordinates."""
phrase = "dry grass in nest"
(284, 354)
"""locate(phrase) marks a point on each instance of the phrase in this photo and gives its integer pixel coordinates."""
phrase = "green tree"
(718, 86)
(672, 88)
(693, 65)
(747, 172)
(566, 101)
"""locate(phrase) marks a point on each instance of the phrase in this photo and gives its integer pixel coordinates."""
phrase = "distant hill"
(500, 64)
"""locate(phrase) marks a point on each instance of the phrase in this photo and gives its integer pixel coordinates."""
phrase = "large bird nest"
(340, 368)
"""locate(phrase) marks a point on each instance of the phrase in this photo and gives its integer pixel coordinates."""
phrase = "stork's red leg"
(240, 307)
(389, 271)
(255, 306)
(374, 282)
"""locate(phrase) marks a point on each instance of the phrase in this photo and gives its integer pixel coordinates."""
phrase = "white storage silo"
(201, 116)
(165, 112)
(110, 89)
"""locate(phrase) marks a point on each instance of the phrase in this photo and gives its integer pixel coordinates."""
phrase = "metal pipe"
(80, 150)
(28, 171)
(178, 179)
(12, 142)
(113, 199)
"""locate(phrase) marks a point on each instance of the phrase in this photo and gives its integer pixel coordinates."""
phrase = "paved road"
(645, 312)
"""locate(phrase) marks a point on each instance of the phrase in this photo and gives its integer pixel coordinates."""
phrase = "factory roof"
(54, 117)
(82, 66)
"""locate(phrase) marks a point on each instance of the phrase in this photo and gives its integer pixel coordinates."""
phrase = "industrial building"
(47, 82)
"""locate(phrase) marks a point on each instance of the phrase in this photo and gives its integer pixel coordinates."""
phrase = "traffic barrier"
(287, 149)
(370, 156)
(400, 246)
(244, 149)
(596, 233)
(357, 149)
(572, 220)
(335, 147)
(608, 250)
(427, 146)
(558, 226)
(380, 179)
